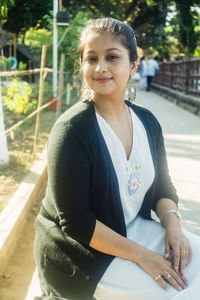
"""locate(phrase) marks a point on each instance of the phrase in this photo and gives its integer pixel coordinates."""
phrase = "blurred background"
(39, 79)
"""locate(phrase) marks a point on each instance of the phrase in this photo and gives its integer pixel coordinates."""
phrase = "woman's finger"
(184, 254)
(167, 250)
(161, 282)
(176, 254)
(190, 256)
(180, 279)
(175, 281)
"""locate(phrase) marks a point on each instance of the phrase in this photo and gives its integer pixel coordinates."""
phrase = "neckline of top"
(116, 136)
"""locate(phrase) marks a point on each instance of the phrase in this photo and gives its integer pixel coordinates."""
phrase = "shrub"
(5, 65)
(17, 97)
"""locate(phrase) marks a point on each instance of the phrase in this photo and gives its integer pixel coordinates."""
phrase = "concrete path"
(182, 139)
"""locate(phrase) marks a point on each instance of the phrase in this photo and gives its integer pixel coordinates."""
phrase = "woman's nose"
(101, 66)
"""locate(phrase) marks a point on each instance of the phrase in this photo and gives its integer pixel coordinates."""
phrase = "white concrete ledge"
(34, 288)
(13, 217)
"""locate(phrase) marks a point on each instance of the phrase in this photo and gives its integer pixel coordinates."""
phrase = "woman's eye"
(91, 59)
(112, 57)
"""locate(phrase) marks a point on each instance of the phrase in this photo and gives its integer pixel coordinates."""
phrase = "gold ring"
(167, 275)
(184, 251)
(157, 277)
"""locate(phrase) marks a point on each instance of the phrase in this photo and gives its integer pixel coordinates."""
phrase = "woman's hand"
(176, 242)
(161, 270)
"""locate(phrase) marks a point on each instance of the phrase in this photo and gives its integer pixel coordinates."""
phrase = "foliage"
(186, 33)
(33, 21)
(5, 65)
(35, 38)
(70, 42)
(139, 14)
(4, 7)
(183, 29)
(47, 90)
(26, 14)
(17, 97)
(149, 20)
(22, 66)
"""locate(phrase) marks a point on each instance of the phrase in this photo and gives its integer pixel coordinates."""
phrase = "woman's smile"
(103, 79)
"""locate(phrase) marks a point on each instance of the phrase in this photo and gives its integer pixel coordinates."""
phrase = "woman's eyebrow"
(110, 49)
(106, 50)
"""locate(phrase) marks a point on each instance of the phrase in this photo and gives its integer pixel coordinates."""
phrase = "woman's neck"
(109, 107)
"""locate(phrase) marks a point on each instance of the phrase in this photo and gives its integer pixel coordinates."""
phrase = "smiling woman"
(106, 66)
(107, 170)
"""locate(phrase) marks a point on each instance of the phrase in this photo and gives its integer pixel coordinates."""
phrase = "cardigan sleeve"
(165, 187)
(69, 168)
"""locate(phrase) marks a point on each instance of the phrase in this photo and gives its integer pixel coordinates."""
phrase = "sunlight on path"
(182, 139)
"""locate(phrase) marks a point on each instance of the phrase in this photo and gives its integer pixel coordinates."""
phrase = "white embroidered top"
(136, 174)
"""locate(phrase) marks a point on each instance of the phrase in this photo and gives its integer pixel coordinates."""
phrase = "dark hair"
(118, 29)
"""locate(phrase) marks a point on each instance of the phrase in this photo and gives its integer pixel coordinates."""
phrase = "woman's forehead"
(96, 42)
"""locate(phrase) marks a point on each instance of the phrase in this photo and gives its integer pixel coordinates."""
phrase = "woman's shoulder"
(148, 119)
(143, 112)
(78, 117)
(79, 112)
(76, 123)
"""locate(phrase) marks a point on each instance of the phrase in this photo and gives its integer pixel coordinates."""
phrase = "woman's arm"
(169, 220)
(110, 242)
(69, 165)
(175, 238)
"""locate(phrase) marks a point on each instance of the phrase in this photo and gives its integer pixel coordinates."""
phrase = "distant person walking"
(152, 66)
(143, 73)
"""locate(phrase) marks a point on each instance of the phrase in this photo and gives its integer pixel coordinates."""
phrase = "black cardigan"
(82, 187)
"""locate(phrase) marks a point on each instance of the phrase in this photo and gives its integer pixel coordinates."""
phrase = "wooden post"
(60, 5)
(37, 124)
(4, 156)
(60, 90)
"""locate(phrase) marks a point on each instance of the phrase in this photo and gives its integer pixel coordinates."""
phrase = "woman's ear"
(134, 65)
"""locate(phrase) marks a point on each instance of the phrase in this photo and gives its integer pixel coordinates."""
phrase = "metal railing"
(182, 76)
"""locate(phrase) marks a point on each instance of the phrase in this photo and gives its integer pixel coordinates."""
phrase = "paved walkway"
(182, 139)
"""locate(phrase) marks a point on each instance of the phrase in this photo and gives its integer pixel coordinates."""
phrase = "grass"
(21, 149)
(21, 154)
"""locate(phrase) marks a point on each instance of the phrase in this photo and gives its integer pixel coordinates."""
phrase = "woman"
(107, 170)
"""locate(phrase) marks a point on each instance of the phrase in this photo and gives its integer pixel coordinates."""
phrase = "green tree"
(26, 14)
(4, 7)
(146, 17)
(186, 24)
(36, 37)
(70, 42)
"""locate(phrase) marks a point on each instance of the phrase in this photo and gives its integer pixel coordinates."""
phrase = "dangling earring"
(131, 90)
(86, 93)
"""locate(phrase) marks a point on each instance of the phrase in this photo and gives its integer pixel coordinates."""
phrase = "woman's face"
(106, 65)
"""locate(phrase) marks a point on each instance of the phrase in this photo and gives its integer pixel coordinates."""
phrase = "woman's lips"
(102, 79)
